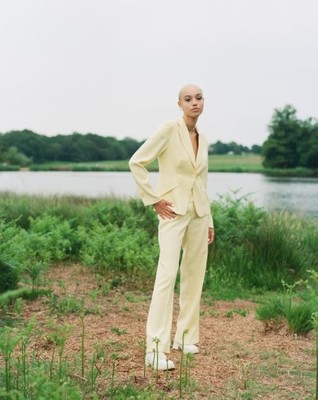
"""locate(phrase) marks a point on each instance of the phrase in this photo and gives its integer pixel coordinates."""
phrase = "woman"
(185, 222)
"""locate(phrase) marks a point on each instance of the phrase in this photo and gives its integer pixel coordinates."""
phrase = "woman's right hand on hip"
(163, 209)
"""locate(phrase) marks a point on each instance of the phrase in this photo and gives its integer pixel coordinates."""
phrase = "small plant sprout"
(181, 363)
(315, 324)
(114, 357)
(8, 342)
(156, 357)
(142, 344)
(83, 346)
(291, 287)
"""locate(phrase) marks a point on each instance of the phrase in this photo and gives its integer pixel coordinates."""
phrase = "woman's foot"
(187, 348)
(161, 363)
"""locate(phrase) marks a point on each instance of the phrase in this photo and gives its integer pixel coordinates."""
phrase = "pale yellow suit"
(182, 181)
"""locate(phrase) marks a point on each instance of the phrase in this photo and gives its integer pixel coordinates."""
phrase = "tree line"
(233, 148)
(26, 147)
(291, 143)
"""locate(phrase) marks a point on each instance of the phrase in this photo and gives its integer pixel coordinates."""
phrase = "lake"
(295, 194)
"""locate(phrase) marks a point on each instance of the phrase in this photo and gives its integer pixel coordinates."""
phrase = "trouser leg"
(159, 323)
(192, 271)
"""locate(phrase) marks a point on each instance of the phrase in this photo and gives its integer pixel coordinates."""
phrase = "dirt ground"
(238, 358)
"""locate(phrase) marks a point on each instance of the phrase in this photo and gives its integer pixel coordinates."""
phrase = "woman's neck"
(190, 123)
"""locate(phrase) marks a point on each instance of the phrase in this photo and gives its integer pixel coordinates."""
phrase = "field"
(221, 163)
(217, 163)
(236, 163)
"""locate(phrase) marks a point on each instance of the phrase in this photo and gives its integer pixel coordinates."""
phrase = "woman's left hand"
(210, 235)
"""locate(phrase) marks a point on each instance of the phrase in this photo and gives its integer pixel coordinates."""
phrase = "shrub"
(143, 218)
(50, 238)
(119, 250)
(9, 277)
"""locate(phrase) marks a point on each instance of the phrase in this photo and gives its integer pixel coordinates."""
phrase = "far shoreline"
(243, 163)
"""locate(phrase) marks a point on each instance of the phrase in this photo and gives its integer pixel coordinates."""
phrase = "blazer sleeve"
(147, 153)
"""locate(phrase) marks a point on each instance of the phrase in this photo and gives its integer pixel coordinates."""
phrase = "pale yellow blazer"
(180, 173)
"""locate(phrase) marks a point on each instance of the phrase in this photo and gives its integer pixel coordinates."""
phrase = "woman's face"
(191, 101)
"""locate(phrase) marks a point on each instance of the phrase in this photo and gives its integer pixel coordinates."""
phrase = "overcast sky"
(114, 67)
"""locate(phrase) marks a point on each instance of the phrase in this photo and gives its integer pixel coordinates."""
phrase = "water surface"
(295, 194)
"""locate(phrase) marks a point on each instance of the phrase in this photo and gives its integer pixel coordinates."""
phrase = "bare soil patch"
(238, 358)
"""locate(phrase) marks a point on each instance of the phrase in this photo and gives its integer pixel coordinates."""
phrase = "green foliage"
(131, 392)
(297, 315)
(20, 147)
(12, 295)
(76, 147)
(239, 311)
(254, 249)
(119, 250)
(14, 157)
(275, 309)
(6, 167)
(236, 224)
(292, 143)
(143, 218)
(9, 277)
(232, 147)
(49, 238)
(66, 305)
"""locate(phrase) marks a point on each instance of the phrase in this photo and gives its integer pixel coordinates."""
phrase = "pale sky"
(114, 67)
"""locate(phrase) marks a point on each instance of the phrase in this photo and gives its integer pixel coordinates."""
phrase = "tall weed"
(258, 249)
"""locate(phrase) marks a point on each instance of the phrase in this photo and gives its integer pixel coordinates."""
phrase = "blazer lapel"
(186, 141)
(200, 151)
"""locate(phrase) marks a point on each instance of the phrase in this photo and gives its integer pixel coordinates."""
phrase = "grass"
(236, 163)
(290, 309)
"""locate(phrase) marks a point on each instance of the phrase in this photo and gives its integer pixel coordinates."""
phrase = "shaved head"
(189, 88)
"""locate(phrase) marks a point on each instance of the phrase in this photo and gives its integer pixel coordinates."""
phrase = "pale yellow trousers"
(189, 233)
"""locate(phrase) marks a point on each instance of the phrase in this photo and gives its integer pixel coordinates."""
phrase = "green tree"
(281, 149)
(218, 148)
(27, 142)
(308, 145)
(256, 149)
(14, 157)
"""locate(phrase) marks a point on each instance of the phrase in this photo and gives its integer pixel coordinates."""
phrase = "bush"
(119, 251)
(9, 277)
(50, 238)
